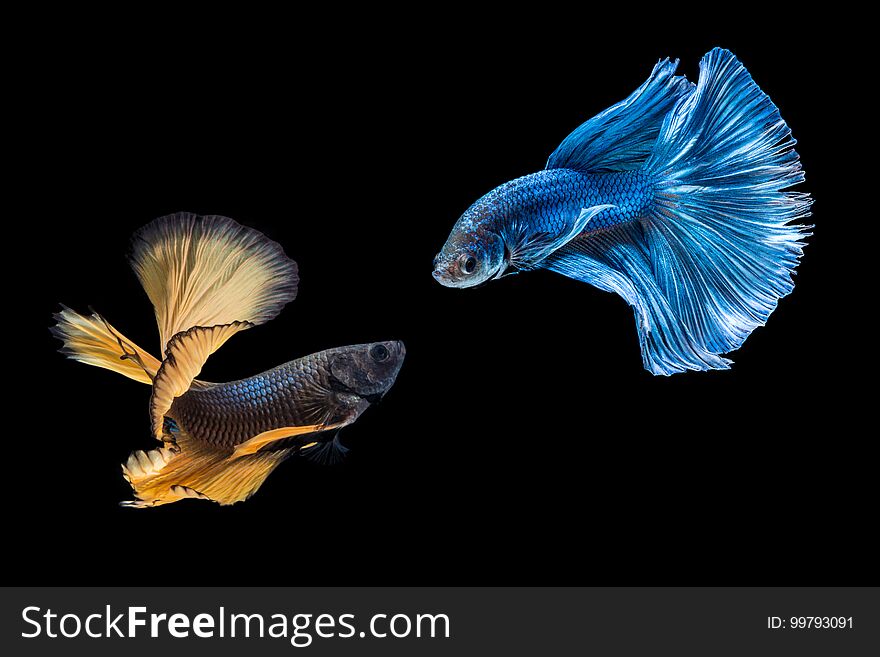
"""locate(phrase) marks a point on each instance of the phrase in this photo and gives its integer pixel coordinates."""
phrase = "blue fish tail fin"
(721, 240)
(710, 261)
(621, 137)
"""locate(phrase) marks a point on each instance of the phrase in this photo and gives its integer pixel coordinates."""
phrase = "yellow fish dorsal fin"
(254, 444)
(184, 358)
(210, 271)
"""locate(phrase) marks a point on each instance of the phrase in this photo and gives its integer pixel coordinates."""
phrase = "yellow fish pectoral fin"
(254, 444)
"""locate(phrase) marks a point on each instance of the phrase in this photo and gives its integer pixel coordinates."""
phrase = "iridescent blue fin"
(709, 263)
(621, 137)
(721, 242)
(528, 249)
(617, 260)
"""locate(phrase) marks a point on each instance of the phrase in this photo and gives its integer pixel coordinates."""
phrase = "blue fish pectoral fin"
(329, 452)
(529, 250)
(617, 261)
(620, 138)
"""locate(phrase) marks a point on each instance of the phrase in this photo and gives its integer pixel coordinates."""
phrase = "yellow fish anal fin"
(196, 471)
(170, 494)
(186, 491)
(254, 444)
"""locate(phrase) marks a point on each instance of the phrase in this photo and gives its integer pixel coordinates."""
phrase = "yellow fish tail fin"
(210, 271)
(92, 340)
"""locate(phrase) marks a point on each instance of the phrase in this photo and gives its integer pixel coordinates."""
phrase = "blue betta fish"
(673, 198)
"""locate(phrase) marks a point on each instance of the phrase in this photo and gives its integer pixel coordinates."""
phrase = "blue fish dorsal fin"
(621, 137)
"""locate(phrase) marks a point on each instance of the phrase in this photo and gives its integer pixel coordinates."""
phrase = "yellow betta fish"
(209, 278)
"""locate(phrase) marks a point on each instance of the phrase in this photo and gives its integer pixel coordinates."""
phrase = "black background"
(523, 442)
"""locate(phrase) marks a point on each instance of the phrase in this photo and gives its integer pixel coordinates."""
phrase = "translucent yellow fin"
(195, 470)
(254, 444)
(184, 358)
(210, 271)
(92, 340)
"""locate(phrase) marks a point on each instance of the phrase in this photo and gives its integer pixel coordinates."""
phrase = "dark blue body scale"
(227, 414)
(549, 201)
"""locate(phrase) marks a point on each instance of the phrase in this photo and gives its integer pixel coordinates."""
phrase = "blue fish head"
(473, 253)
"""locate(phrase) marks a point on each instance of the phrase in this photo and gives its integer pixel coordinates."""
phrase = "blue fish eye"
(467, 264)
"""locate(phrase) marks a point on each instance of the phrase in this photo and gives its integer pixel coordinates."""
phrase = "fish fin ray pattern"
(193, 470)
(620, 138)
(93, 341)
(186, 354)
(210, 271)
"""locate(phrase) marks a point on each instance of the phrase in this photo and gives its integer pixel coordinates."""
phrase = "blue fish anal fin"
(617, 260)
(621, 137)
(528, 250)
(721, 239)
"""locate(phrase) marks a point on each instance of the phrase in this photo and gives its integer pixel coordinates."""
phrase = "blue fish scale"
(548, 201)
(230, 413)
